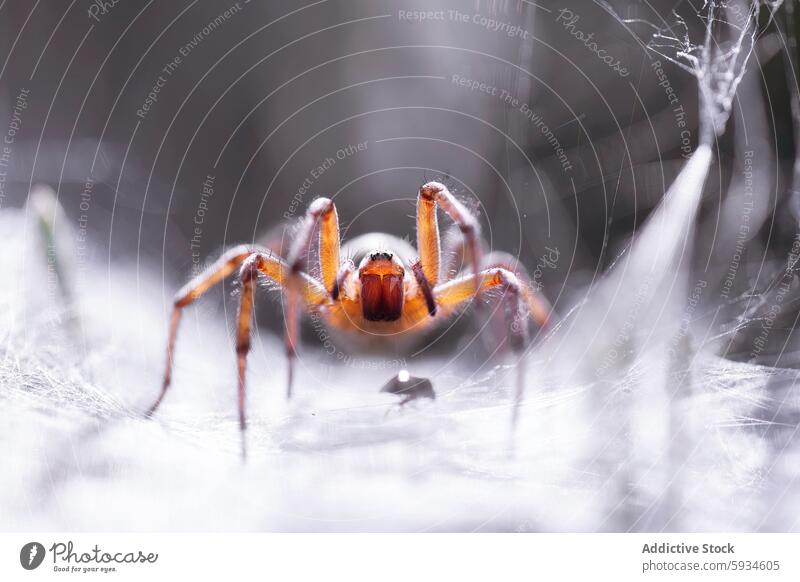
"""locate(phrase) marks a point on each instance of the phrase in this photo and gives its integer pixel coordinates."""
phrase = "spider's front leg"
(299, 287)
(249, 278)
(520, 300)
(537, 304)
(321, 215)
(431, 196)
(222, 268)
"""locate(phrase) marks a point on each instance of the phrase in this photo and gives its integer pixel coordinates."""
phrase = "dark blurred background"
(264, 93)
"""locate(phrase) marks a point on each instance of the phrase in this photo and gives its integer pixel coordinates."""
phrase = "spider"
(389, 293)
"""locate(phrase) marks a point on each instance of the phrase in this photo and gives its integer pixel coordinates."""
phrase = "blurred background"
(498, 99)
(132, 108)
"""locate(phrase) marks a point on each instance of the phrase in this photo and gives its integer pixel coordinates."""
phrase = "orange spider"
(382, 297)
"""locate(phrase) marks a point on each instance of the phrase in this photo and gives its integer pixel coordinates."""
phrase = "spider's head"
(381, 276)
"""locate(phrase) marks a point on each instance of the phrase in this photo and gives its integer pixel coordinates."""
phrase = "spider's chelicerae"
(390, 292)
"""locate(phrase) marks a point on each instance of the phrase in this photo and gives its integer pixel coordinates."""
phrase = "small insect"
(389, 295)
(409, 387)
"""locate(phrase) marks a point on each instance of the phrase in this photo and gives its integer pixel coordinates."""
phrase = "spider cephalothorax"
(384, 295)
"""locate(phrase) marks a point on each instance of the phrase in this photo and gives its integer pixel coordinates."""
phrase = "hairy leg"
(451, 295)
(320, 214)
(345, 272)
(455, 255)
(537, 304)
(431, 196)
(222, 267)
(297, 286)
(249, 278)
(275, 269)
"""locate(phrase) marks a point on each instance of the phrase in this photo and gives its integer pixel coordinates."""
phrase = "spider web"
(706, 446)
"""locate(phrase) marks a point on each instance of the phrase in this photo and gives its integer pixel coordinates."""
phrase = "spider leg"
(345, 271)
(455, 256)
(430, 196)
(517, 297)
(451, 295)
(306, 288)
(298, 286)
(249, 277)
(321, 214)
(222, 267)
(536, 302)
(291, 332)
